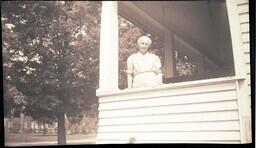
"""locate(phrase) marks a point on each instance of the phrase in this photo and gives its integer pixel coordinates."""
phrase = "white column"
(236, 38)
(239, 63)
(169, 54)
(108, 79)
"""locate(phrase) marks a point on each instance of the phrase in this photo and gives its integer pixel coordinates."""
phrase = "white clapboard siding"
(247, 57)
(169, 90)
(247, 68)
(243, 8)
(172, 118)
(244, 17)
(123, 141)
(242, 2)
(244, 93)
(245, 27)
(245, 37)
(246, 47)
(175, 100)
(173, 127)
(249, 78)
(187, 108)
(207, 112)
(249, 81)
(249, 90)
(213, 135)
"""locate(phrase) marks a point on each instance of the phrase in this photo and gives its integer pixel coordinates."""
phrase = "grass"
(16, 138)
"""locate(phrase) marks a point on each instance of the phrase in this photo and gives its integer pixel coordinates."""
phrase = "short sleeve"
(129, 65)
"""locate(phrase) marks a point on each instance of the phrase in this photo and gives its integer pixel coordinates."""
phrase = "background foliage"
(50, 58)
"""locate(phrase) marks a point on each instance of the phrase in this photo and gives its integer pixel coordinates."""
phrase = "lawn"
(16, 138)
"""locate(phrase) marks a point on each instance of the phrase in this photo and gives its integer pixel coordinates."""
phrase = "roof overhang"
(202, 24)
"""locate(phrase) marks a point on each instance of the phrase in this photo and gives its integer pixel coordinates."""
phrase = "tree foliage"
(50, 54)
(49, 46)
(184, 65)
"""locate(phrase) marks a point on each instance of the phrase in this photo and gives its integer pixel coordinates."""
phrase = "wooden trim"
(239, 111)
(236, 37)
(170, 86)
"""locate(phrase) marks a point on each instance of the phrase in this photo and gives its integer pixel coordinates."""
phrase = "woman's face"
(143, 45)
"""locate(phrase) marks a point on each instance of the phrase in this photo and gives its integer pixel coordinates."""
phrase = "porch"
(211, 109)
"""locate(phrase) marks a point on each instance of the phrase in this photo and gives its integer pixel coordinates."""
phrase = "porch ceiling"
(202, 24)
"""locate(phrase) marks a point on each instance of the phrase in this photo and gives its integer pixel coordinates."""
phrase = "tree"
(52, 52)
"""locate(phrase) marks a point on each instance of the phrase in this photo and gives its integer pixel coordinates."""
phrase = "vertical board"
(243, 10)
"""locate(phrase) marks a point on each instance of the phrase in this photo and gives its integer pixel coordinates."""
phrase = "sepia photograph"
(126, 72)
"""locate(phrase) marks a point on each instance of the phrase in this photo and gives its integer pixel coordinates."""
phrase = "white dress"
(146, 70)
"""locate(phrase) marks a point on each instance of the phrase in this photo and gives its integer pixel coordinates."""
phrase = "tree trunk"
(61, 129)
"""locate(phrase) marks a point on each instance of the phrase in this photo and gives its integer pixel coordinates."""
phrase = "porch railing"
(203, 111)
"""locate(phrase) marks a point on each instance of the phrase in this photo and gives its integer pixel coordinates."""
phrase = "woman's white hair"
(144, 38)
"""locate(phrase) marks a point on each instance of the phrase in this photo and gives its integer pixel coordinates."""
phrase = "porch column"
(169, 54)
(108, 78)
(240, 71)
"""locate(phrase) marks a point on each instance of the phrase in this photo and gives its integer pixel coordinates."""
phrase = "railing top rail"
(172, 86)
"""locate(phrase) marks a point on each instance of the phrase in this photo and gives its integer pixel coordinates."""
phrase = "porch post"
(108, 78)
(244, 102)
(169, 54)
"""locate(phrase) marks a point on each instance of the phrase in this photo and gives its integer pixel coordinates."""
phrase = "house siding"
(243, 10)
(206, 113)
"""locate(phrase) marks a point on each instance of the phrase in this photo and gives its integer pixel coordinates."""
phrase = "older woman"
(143, 68)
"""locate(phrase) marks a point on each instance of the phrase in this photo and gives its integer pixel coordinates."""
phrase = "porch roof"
(202, 24)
